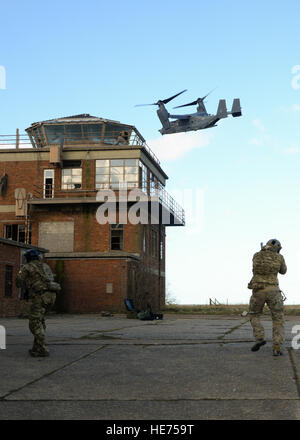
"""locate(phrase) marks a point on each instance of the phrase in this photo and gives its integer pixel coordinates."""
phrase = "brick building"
(55, 192)
(11, 259)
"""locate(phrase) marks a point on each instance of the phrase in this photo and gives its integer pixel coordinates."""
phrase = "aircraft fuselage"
(193, 123)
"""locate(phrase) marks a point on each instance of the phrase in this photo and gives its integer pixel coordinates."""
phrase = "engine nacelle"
(163, 116)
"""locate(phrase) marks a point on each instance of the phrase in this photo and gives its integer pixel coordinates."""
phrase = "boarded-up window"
(109, 287)
(57, 236)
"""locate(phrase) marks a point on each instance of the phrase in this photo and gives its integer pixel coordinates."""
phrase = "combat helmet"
(273, 245)
(32, 254)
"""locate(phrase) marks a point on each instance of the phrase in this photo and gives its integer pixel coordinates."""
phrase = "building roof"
(22, 245)
(82, 118)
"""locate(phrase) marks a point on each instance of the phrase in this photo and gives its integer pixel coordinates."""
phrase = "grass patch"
(233, 309)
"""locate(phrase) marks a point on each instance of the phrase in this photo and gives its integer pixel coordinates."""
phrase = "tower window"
(116, 172)
(17, 233)
(116, 237)
(71, 178)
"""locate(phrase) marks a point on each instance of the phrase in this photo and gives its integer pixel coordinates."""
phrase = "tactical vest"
(266, 265)
(37, 281)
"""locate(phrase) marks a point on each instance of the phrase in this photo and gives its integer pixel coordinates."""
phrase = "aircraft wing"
(179, 116)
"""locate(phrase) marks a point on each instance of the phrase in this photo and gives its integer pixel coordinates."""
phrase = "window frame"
(18, 226)
(63, 184)
(110, 171)
(118, 227)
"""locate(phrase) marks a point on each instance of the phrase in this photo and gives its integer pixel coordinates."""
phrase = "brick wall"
(12, 306)
(91, 285)
(85, 280)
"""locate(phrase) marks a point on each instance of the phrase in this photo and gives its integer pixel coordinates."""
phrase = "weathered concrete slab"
(152, 410)
(179, 368)
(177, 372)
(18, 369)
(244, 331)
(172, 329)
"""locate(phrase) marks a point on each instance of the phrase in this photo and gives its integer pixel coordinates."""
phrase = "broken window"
(17, 233)
(116, 237)
(73, 133)
(71, 178)
(92, 132)
(112, 132)
(54, 133)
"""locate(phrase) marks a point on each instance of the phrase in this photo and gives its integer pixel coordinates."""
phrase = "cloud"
(292, 150)
(175, 146)
(263, 138)
(255, 141)
(290, 108)
(296, 108)
(259, 125)
(262, 135)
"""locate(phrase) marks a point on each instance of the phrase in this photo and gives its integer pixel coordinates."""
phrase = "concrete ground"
(179, 368)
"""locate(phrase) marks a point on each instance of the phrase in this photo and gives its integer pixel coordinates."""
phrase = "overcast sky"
(239, 182)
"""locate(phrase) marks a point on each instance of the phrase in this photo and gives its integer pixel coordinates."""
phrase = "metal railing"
(15, 141)
(159, 192)
(110, 138)
(47, 191)
(168, 202)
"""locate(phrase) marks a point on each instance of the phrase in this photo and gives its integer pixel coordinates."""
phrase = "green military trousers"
(40, 305)
(273, 298)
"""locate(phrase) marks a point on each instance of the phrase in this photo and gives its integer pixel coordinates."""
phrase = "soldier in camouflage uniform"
(38, 280)
(264, 284)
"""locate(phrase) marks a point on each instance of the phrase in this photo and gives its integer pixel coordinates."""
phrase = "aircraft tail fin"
(236, 110)
(222, 109)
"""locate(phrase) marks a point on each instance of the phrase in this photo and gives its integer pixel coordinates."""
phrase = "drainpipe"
(159, 265)
(17, 138)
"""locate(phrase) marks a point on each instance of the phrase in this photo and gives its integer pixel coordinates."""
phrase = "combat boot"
(259, 343)
(34, 353)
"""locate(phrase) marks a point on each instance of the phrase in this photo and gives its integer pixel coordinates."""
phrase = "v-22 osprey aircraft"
(193, 121)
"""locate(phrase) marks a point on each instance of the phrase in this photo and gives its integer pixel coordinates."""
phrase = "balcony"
(169, 211)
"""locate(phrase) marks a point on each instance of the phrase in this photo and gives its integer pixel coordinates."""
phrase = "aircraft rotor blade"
(186, 105)
(207, 94)
(141, 105)
(165, 101)
(197, 101)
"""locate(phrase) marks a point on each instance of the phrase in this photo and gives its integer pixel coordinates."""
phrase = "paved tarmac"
(179, 368)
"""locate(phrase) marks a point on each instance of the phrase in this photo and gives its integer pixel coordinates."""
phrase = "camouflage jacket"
(32, 276)
(266, 265)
